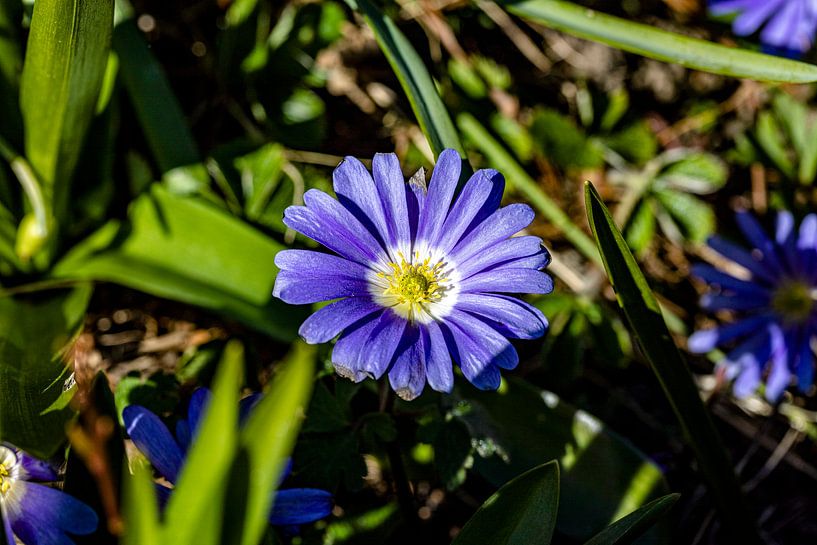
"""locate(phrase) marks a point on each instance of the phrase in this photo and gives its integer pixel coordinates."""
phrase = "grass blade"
(644, 316)
(634, 525)
(660, 44)
(414, 77)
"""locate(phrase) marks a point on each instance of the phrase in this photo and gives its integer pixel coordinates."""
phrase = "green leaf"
(696, 216)
(35, 333)
(188, 250)
(662, 45)
(588, 453)
(699, 173)
(157, 108)
(140, 509)
(633, 526)
(414, 77)
(770, 137)
(644, 316)
(523, 512)
(516, 176)
(195, 509)
(270, 432)
(11, 64)
(64, 67)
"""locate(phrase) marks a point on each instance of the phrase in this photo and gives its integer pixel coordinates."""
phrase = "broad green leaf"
(770, 137)
(696, 216)
(644, 316)
(141, 511)
(523, 512)
(641, 229)
(633, 526)
(662, 45)
(35, 334)
(163, 122)
(196, 508)
(588, 453)
(269, 435)
(63, 71)
(516, 176)
(414, 77)
(185, 249)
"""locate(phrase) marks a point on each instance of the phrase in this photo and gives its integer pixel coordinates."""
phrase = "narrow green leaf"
(64, 67)
(196, 507)
(644, 316)
(35, 332)
(523, 512)
(188, 250)
(633, 526)
(662, 45)
(140, 509)
(414, 77)
(270, 432)
(157, 108)
(500, 159)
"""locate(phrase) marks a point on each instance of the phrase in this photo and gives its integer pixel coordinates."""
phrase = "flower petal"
(439, 369)
(356, 191)
(743, 258)
(44, 515)
(195, 409)
(300, 506)
(154, 440)
(727, 282)
(497, 227)
(705, 340)
(493, 345)
(325, 220)
(508, 281)
(346, 355)
(473, 360)
(407, 374)
(503, 253)
(391, 187)
(329, 321)
(469, 202)
(441, 189)
(381, 345)
(758, 238)
(512, 317)
(35, 469)
(317, 279)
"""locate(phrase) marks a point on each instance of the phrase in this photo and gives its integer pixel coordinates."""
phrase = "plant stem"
(402, 486)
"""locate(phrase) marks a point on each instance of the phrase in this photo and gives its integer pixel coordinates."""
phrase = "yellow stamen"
(413, 286)
(795, 301)
(5, 482)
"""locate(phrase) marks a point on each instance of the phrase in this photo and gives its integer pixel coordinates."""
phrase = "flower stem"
(402, 486)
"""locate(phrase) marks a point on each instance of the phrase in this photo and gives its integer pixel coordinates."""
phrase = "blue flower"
(292, 506)
(35, 513)
(420, 277)
(789, 28)
(776, 301)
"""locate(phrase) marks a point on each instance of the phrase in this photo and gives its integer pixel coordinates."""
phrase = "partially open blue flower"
(34, 513)
(420, 277)
(775, 301)
(789, 28)
(166, 453)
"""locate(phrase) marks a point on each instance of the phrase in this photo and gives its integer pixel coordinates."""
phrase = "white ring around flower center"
(420, 287)
(9, 469)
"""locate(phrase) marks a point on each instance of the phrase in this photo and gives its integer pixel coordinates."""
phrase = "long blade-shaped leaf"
(414, 77)
(196, 507)
(63, 71)
(660, 44)
(626, 530)
(140, 509)
(157, 108)
(35, 331)
(11, 62)
(644, 316)
(523, 512)
(269, 435)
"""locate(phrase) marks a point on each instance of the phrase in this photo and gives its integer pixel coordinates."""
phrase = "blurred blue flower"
(789, 28)
(34, 513)
(420, 276)
(292, 506)
(776, 301)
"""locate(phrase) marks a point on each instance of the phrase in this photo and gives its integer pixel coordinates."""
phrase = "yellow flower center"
(411, 287)
(5, 481)
(794, 301)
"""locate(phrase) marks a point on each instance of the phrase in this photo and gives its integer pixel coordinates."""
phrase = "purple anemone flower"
(420, 277)
(34, 513)
(292, 507)
(776, 301)
(789, 28)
